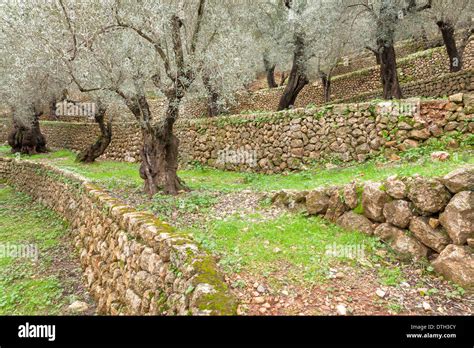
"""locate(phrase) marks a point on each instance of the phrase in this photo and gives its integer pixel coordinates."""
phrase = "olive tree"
(124, 46)
(30, 82)
(449, 15)
(379, 21)
(304, 29)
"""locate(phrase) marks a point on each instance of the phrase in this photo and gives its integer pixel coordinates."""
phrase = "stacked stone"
(348, 132)
(133, 263)
(287, 140)
(418, 217)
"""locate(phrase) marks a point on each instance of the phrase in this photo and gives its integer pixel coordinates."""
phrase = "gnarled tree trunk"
(270, 72)
(90, 154)
(159, 156)
(388, 71)
(447, 31)
(326, 82)
(297, 79)
(27, 139)
(212, 97)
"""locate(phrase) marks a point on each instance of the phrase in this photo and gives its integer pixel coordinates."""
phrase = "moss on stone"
(220, 302)
(359, 209)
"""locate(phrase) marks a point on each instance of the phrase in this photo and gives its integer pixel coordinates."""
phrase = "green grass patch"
(112, 174)
(192, 202)
(291, 243)
(390, 276)
(23, 288)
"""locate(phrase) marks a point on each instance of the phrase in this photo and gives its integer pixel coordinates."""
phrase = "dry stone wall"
(415, 73)
(133, 263)
(289, 140)
(417, 217)
(440, 86)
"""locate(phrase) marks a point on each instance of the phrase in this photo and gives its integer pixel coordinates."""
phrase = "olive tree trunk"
(270, 72)
(212, 97)
(447, 32)
(159, 157)
(97, 149)
(297, 79)
(27, 139)
(388, 71)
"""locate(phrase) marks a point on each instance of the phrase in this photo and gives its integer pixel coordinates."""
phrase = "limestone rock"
(408, 144)
(395, 188)
(317, 202)
(419, 134)
(78, 307)
(456, 98)
(355, 222)
(406, 246)
(398, 213)
(290, 198)
(435, 238)
(336, 207)
(428, 195)
(456, 263)
(373, 201)
(459, 180)
(341, 309)
(458, 217)
(350, 195)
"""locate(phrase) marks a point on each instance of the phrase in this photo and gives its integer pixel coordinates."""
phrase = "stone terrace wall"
(288, 140)
(367, 59)
(417, 217)
(133, 263)
(444, 85)
(351, 132)
(422, 66)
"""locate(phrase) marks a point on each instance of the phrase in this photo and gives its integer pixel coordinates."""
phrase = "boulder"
(469, 103)
(290, 198)
(336, 207)
(395, 187)
(408, 144)
(461, 179)
(398, 213)
(419, 134)
(406, 246)
(78, 307)
(428, 195)
(355, 222)
(373, 201)
(317, 202)
(458, 217)
(350, 195)
(434, 238)
(456, 263)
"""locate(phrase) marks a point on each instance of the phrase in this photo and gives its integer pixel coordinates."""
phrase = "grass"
(292, 244)
(125, 175)
(192, 202)
(25, 287)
